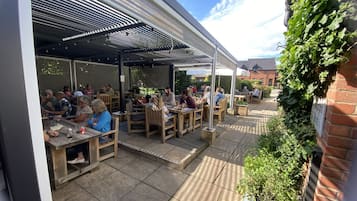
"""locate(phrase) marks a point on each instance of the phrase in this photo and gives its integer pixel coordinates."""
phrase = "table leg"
(59, 164)
(93, 150)
(180, 124)
(190, 128)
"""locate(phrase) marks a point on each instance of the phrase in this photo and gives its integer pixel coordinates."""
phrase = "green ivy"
(319, 37)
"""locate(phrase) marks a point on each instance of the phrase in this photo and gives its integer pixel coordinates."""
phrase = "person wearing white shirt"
(168, 97)
(256, 92)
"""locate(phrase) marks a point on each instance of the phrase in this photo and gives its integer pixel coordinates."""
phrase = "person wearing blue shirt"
(219, 95)
(100, 121)
(101, 118)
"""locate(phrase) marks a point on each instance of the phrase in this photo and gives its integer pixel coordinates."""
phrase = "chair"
(107, 99)
(259, 98)
(110, 147)
(220, 109)
(116, 101)
(198, 116)
(135, 118)
(157, 118)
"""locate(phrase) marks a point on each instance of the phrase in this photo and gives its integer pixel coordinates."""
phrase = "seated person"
(48, 102)
(88, 90)
(78, 93)
(109, 90)
(245, 89)
(101, 122)
(219, 95)
(84, 111)
(67, 92)
(46, 137)
(188, 100)
(158, 104)
(206, 96)
(256, 93)
(101, 119)
(63, 107)
(168, 97)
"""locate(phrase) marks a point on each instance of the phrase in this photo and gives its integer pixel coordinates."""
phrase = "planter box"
(241, 110)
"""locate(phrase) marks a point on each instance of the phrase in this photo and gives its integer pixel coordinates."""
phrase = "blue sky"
(198, 8)
(246, 28)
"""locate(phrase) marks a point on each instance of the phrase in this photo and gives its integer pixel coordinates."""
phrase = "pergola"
(126, 33)
(119, 32)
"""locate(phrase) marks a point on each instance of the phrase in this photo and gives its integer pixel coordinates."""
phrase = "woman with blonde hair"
(100, 121)
(101, 118)
(158, 104)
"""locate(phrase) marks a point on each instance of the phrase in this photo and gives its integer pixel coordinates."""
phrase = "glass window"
(270, 82)
(52, 73)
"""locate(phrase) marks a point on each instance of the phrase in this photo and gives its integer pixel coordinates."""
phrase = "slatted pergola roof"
(146, 32)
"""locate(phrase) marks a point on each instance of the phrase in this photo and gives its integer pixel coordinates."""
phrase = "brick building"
(339, 137)
(260, 69)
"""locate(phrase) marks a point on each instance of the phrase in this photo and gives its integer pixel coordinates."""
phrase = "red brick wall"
(339, 139)
(262, 75)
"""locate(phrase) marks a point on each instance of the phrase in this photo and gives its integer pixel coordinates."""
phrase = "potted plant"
(241, 108)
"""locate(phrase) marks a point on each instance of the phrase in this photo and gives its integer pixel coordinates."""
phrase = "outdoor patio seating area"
(145, 168)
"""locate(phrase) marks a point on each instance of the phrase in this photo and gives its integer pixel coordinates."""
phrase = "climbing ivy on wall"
(319, 37)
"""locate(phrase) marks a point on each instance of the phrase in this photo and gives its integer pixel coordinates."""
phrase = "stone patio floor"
(212, 176)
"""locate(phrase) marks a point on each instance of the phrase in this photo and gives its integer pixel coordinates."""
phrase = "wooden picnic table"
(181, 114)
(59, 144)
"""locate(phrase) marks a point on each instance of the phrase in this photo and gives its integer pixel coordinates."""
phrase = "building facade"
(263, 70)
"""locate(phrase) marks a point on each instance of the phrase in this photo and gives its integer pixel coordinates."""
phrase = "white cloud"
(248, 28)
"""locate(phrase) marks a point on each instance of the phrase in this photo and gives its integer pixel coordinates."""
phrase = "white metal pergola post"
(213, 83)
(233, 88)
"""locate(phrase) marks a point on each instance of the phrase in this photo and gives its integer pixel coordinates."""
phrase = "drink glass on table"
(69, 133)
(82, 130)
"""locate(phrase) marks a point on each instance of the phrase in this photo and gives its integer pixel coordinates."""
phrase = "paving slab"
(145, 192)
(72, 192)
(140, 168)
(176, 152)
(208, 170)
(107, 188)
(124, 157)
(229, 177)
(195, 189)
(215, 153)
(226, 195)
(225, 145)
(166, 179)
(158, 149)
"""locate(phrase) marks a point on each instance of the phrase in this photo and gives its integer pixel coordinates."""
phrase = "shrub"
(247, 83)
(275, 173)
